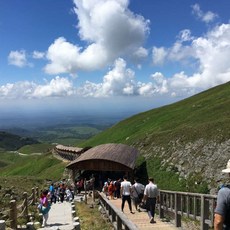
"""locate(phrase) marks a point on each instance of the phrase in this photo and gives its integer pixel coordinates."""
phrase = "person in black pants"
(126, 191)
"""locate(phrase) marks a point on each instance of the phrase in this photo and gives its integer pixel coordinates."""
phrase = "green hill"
(182, 140)
(10, 141)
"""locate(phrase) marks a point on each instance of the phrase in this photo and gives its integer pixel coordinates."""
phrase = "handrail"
(117, 218)
(14, 212)
(194, 206)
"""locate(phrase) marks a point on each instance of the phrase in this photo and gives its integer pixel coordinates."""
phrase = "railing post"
(187, 204)
(161, 201)
(212, 212)
(2, 224)
(13, 214)
(177, 209)
(119, 223)
(37, 193)
(85, 191)
(34, 196)
(194, 207)
(26, 205)
(204, 213)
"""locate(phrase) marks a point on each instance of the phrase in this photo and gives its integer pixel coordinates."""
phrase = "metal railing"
(194, 206)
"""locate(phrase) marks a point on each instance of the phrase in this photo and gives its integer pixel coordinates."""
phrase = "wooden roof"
(106, 157)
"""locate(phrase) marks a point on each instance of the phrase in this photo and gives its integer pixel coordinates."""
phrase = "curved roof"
(106, 157)
(69, 148)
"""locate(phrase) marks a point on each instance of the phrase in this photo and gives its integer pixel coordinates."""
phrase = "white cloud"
(110, 29)
(140, 53)
(57, 87)
(17, 90)
(210, 53)
(205, 17)
(160, 83)
(38, 55)
(159, 55)
(185, 35)
(18, 58)
(118, 81)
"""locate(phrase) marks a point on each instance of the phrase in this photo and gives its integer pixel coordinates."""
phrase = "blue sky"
(110, 55)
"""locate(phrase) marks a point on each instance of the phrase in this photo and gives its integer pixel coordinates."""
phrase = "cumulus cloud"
(179, 51)
(120, 81)
(205, 17)
(110, 29)
(159, 55)
(18, 58)
(38, 55)
(57, 87)
(210, 53)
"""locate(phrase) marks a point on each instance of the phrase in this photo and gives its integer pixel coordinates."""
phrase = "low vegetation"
(91, 218)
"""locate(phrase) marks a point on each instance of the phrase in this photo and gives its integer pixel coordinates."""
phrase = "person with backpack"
(151, 196)
(44, 207)
(222, 211)
(137, 194)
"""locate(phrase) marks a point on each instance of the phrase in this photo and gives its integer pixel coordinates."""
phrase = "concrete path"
(60, 217)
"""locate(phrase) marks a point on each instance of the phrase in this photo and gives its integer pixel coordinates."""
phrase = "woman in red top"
(111, 190)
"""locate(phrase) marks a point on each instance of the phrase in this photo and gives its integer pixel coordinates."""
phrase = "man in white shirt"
(150, 196)
(125, 192)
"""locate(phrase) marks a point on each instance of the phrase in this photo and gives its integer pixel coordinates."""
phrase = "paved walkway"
(60, 217)
(141, 219)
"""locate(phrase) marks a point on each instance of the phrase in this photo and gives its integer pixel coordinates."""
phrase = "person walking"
(44, 207)
(222, 211)
(126, 187)
(151, 196)
(137, 193)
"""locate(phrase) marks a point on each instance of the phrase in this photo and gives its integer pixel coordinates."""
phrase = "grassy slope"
(199, 115)
(43, 167)
(205, 115)
(36, 148)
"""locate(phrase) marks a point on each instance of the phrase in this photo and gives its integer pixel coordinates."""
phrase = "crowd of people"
(137, 193)
(56, 192)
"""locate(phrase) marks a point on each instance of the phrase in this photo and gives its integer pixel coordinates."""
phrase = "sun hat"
(227, 170)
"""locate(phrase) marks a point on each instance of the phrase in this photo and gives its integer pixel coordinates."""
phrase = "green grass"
(36, 148)
(42, 167)
(91, 218)
(198, 115)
